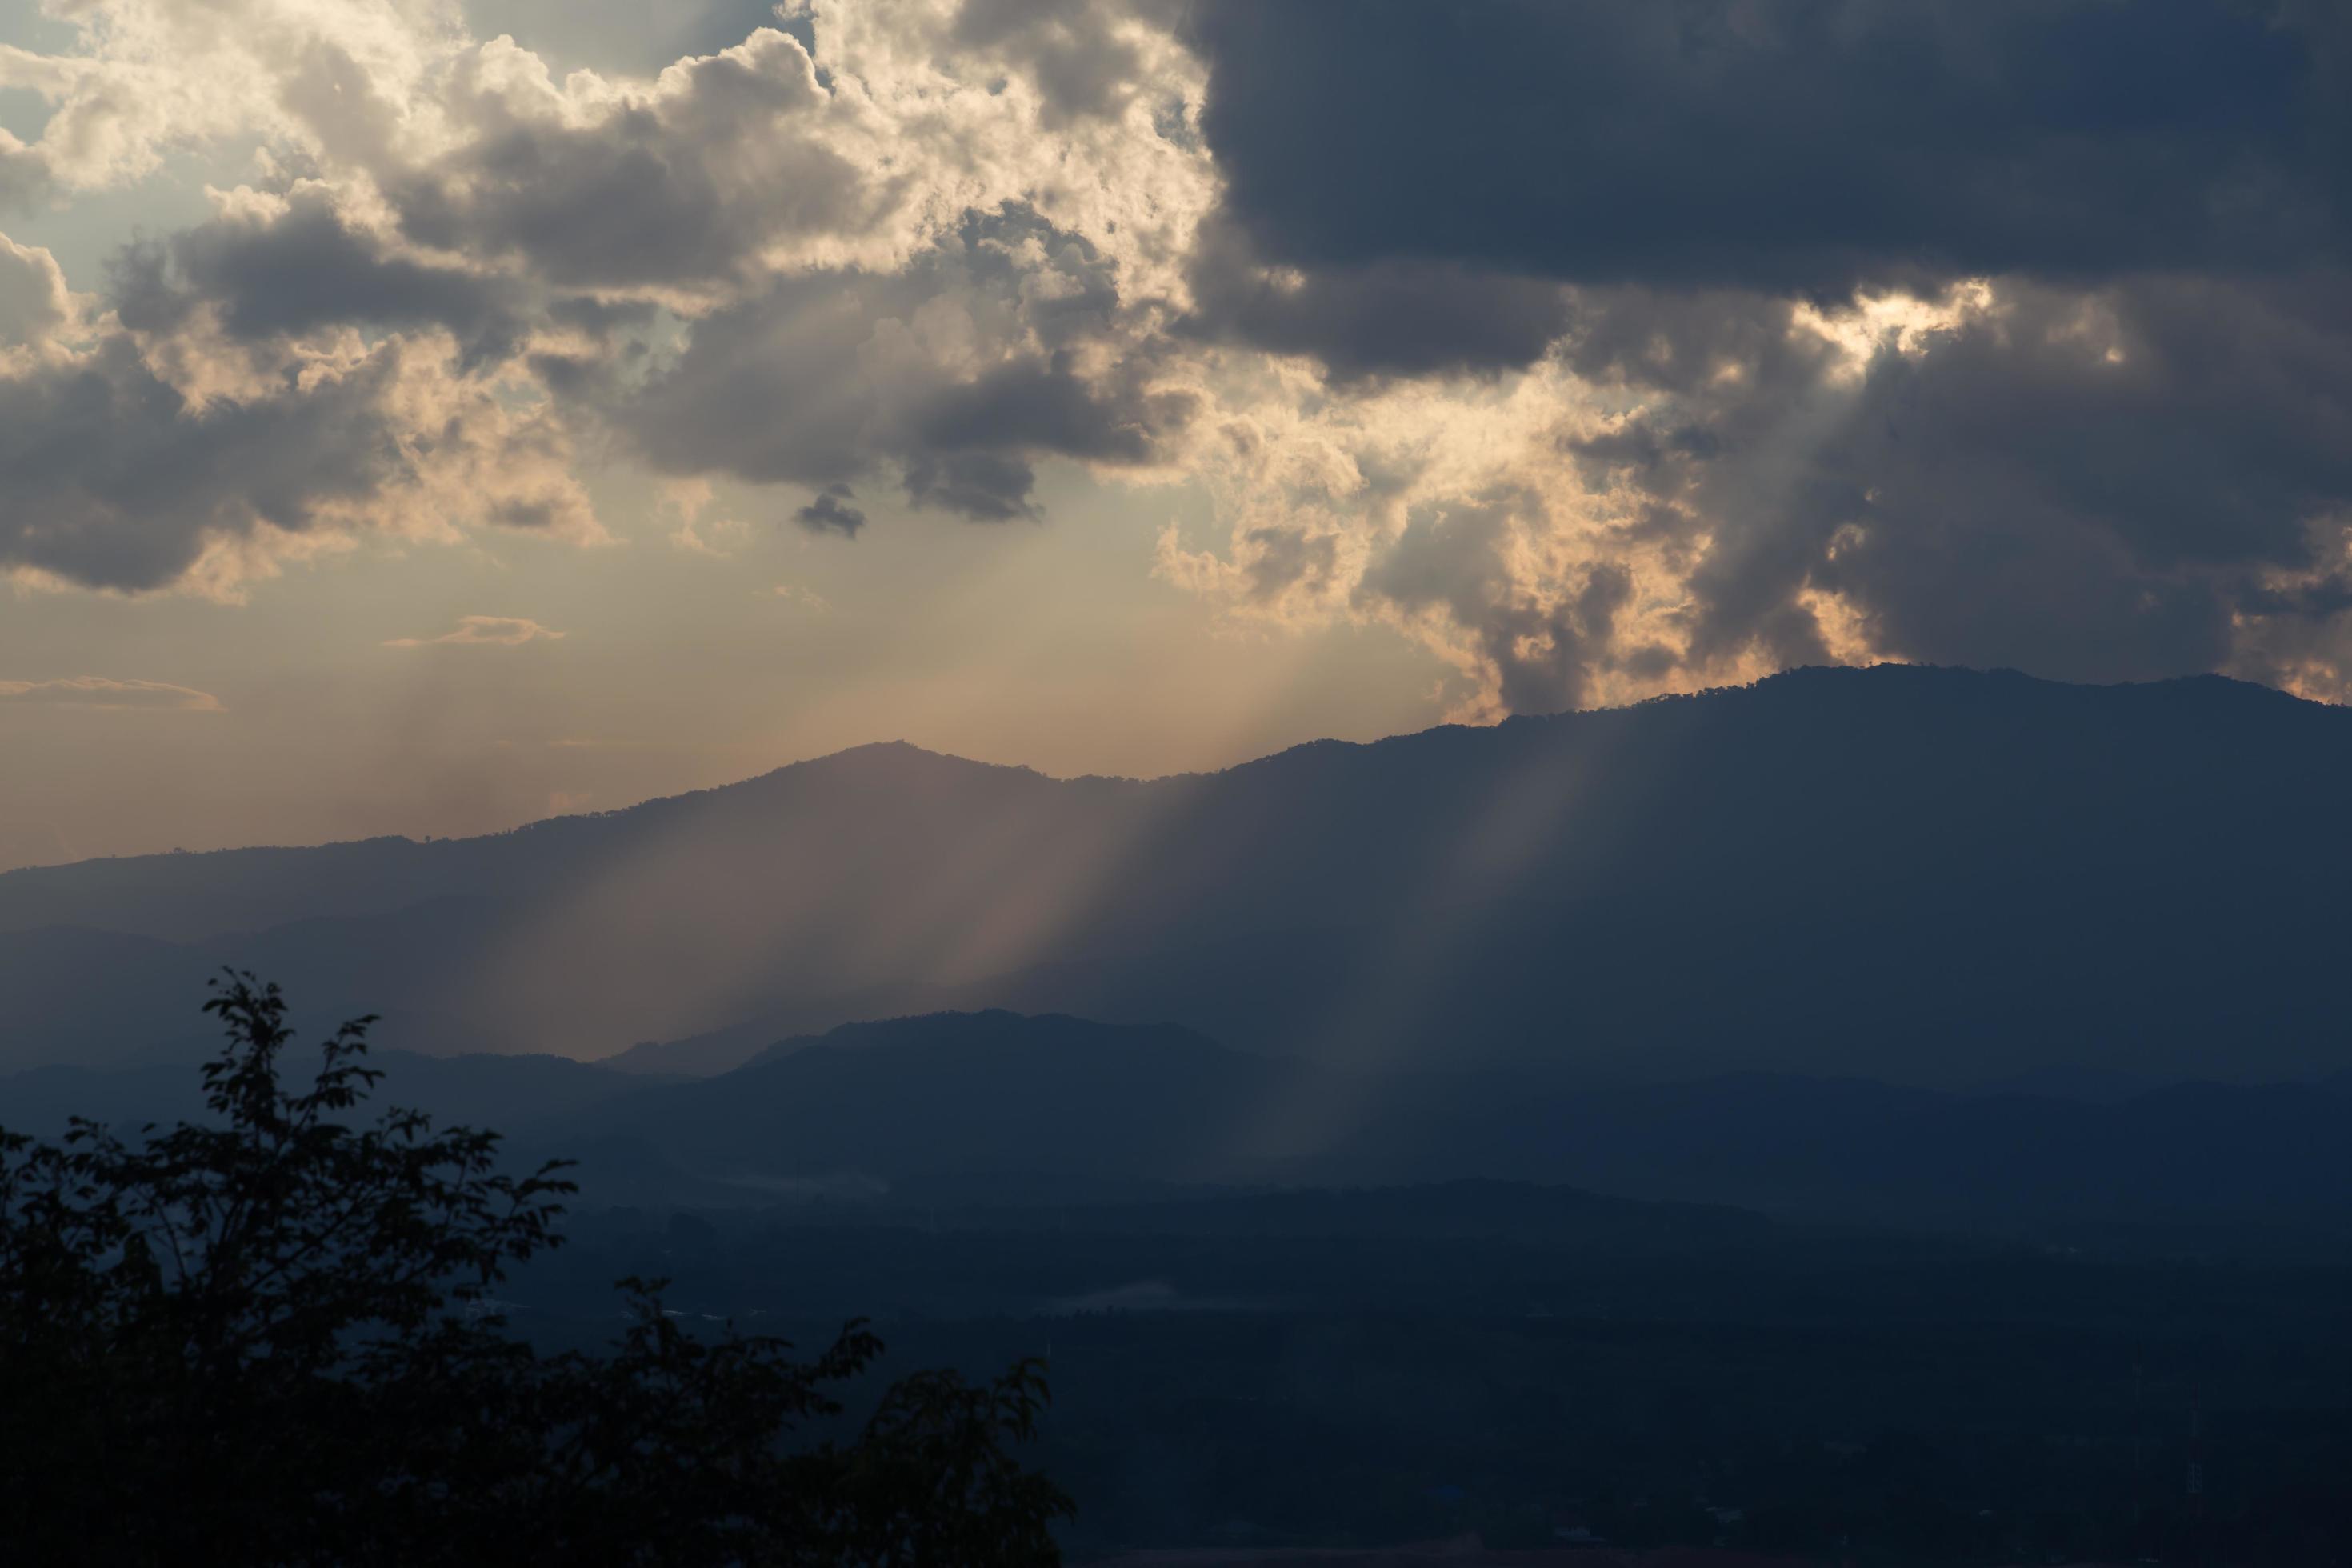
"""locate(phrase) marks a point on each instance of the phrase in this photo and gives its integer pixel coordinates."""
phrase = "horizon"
(1778, 675)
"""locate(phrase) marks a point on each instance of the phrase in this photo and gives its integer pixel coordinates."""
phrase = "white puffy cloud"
(452, 264)
(150, 78)
(35, 304)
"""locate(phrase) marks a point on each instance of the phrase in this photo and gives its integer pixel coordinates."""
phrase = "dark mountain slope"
(1909, 873)
(1470, 1210)
(965, 1093)
(504, 1094)
(956, 1104)
(994, 1110)
(181, 897)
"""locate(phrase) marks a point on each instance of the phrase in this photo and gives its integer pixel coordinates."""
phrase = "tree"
(264, 1339)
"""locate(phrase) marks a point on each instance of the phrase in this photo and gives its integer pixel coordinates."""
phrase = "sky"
(424, 418)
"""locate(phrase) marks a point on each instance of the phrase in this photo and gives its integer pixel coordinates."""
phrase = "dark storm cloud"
(980, 486)
(1810, 146)
(2091, 484)
(111, 478)
(1034, 406)
(825, 376)
(2030, 499)
(291, 274)
(833, 512)
(2135, 450)
(1389, 317)
(1679, 341)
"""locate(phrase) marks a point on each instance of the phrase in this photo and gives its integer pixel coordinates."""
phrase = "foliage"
(269, 1338)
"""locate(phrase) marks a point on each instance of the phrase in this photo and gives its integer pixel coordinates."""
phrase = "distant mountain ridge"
(1004, 1111)
(1904, 873)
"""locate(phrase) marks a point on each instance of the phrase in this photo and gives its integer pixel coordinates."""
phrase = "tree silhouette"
(266, 1339)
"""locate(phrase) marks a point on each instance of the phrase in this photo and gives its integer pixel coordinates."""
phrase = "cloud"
(112, 478)
(686, 499)
(34, 301)
(957, 372)
(453, 265)
(480, 631)
(1808, 148)
(689, 183)
(1603, 348)
(833, 512)
(101, 692)
(146, 81)
(1544, 651)
(1085, 57)
(2101, 485)
(1394, 316)
(630, 40)
(2140, 480)
(22, 174)
(291, 267)
(2048, 369)
(138, 467)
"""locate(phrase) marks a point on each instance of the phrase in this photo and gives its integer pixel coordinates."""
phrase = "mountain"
(967, 1094)
(1468, 1210)
(506, 1093)
(1055, 1109)
(1001, 1112)
(1937, 877)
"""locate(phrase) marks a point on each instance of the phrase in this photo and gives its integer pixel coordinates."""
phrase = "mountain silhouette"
(965, 1094)
(996, 1102)
(1920, 875)
(1004, 1111)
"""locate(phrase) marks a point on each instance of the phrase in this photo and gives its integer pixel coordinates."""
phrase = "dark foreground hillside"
(1896, 1326)
(1330, 1370)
